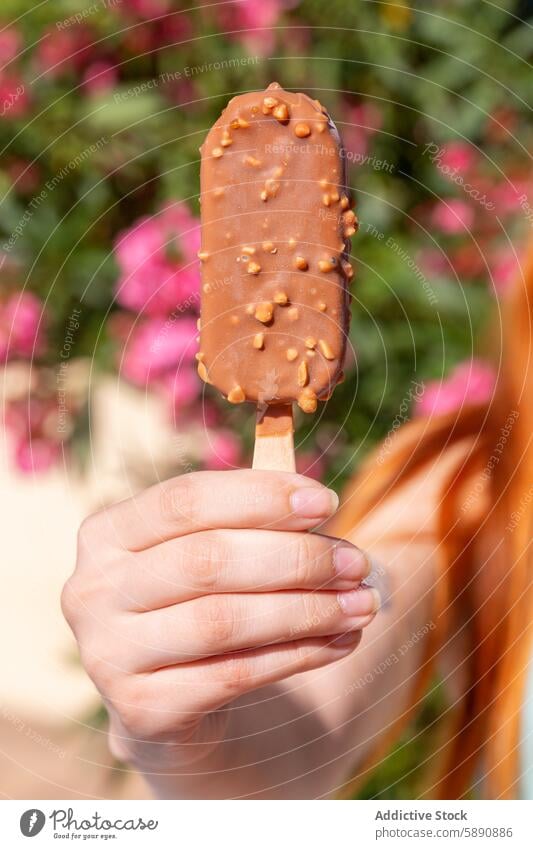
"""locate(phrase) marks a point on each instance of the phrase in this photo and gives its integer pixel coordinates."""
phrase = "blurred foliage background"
(104, 105)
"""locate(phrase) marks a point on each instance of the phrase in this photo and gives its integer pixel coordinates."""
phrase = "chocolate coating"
(276, 221)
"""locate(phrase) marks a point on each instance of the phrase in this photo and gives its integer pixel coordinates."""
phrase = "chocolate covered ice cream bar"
(276, 224)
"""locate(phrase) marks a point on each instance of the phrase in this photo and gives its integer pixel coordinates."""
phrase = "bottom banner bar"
(264, 824)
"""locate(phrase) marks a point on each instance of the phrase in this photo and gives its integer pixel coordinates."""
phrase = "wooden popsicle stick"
(274, 444)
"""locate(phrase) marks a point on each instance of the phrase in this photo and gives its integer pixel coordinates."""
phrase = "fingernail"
(350, 563)
(314, 502)
(359, 602)
(345, 640)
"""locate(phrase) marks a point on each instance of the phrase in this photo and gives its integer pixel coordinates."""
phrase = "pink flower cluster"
(21, 333)
(362, 122)
(64, 51)
(10, 44)
(471, 382)
(222, 450)
(146, 8)
(32, 422)
(252, 22)
(75, 49)
(158, 262)
(478, 247)
(453, 216)
(159, 286)
(159, 282)
(160, 352)
(14, 95)
(26, 417)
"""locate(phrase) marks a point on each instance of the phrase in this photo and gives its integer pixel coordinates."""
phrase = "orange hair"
(492, 594)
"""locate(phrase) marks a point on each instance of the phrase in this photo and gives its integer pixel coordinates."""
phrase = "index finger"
(200, 501)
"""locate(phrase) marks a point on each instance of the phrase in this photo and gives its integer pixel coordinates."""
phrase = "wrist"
(187, 748)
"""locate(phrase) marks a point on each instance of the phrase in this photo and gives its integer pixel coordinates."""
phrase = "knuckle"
(118, 747)
(180, 499)
(305, 560)
(144, 711)
(302, 657)
(327, 558)
(205, 561)
(128, 701)
(90, 531)
(136, 720)
(312, 611)
(82, 592)
(98, 668)
(216, 622)
(69, 596)
(235, 675)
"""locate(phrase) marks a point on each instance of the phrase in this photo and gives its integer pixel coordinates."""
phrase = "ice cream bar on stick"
(276, 223)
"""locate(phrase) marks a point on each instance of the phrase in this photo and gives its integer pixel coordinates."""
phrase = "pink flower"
(223, 450)
(32, 422)
(10, 43)
(355, 141)
(99, 77)
(471, 382)
(177, 221)
(14, 98)
(182, 386)
(158, 289)
(158, 260)
(140, 244)
(36, 455)
(433, 261)
(506, 196)
(20, 332)
(364, 120)
(249, 15)
(367, 115)
(145, 8)
(452, 216)
(63, 51)
(505, 270)
(173, 29)
(156, 347)
(458, 156)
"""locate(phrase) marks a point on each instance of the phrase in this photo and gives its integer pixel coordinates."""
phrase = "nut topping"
(326, 349)
(281, 113)
(303, 374)
(236, 396)
(264, 312)
(307, 400)
(302, 130)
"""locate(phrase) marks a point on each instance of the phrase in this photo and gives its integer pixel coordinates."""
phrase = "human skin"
(222, 634)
